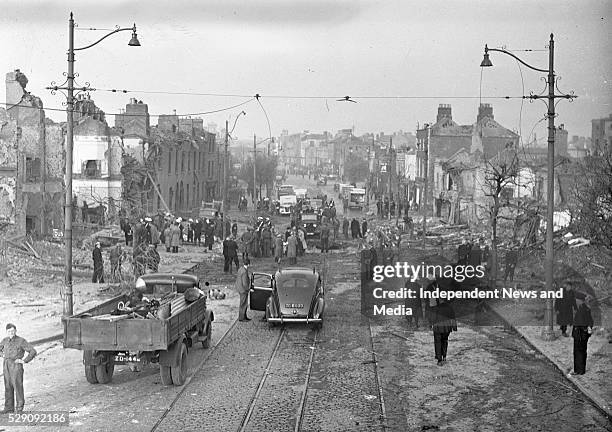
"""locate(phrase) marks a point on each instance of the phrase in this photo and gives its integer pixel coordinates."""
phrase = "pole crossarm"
(105, 36)
(487, 49)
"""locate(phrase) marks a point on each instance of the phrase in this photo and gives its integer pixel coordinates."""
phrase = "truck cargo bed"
(83, 332)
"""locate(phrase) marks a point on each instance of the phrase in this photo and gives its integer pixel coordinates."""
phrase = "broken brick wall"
(39, 160)
(8, 169)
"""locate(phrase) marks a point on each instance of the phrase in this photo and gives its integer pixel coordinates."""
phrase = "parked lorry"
(108, 335)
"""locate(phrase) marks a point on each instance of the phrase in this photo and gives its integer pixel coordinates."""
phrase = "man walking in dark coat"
(243, 285)
(355, 229)
(580, 332)
(364, 227)
(511, 260)
(345, 227)
(442, 321)
(12, 348)
(565, 307)
(197, 232)
(98, 264)
(232, 252)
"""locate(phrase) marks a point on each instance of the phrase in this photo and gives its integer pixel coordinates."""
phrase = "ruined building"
(96, 163)
(169, 167)
(31, 163)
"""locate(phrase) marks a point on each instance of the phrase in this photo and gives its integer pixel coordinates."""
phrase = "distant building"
(446, 140)
(181, 156)
(601, 135)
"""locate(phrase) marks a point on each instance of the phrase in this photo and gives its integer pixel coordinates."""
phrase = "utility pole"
(225, 181)
(426, 149)
(254, 169)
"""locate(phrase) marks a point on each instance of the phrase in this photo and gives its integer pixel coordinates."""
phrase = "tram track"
(201, 363)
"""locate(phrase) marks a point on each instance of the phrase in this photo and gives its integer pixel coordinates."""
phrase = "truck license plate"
(127, 358)
(294, 305)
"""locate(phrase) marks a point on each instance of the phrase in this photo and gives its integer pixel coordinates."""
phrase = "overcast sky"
(397, 59)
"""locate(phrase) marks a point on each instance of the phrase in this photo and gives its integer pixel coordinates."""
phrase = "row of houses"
(463, 159)
(133, 167)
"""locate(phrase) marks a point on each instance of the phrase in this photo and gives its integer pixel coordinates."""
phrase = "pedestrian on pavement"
(345, 227)
(175, 236)
(463, 252)
(364, 227)
(324, 238)
(232, 251)
(511, 261)
(12, 348)
(98, 264)
(246, 239)
(355, 229)
(565, 307)
(197, 232)
(209, 234)
(442, 321)
(115, 260)
(227, 265)
(168, 237)
(243, 285)
(266, 242)
(292, 249)
(301, 239)
(583, 320)
(278, 249)
(336, 225)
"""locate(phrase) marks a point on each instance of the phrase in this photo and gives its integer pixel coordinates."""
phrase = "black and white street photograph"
(306, 215)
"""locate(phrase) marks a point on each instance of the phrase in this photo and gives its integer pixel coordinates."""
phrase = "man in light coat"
(243, 285)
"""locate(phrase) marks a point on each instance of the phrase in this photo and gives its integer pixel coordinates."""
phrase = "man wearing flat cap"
(13, 348)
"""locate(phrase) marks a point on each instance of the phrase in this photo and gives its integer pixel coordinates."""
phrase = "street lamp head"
(134, 40)
(486, 62)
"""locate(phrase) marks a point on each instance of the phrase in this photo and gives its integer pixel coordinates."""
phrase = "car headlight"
(141, 285)
(314, 225)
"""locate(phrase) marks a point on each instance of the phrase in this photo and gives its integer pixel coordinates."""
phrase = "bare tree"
(499, 179)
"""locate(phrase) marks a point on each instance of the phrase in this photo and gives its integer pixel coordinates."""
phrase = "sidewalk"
(595, 384)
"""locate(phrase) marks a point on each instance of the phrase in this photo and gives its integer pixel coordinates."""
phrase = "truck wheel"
(90, 371)
(179, 372)
(165, 374)
(104, 372)
(206, 343)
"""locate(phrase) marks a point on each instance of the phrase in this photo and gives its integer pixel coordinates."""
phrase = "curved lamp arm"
(487, 49)
(236, 121)
(109, 34)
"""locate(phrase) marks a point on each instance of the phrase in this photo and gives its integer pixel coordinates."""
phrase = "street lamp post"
(69, 87)
(547, 331)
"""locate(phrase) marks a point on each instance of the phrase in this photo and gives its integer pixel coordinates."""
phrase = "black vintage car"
(310, 222)
(292, 295)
